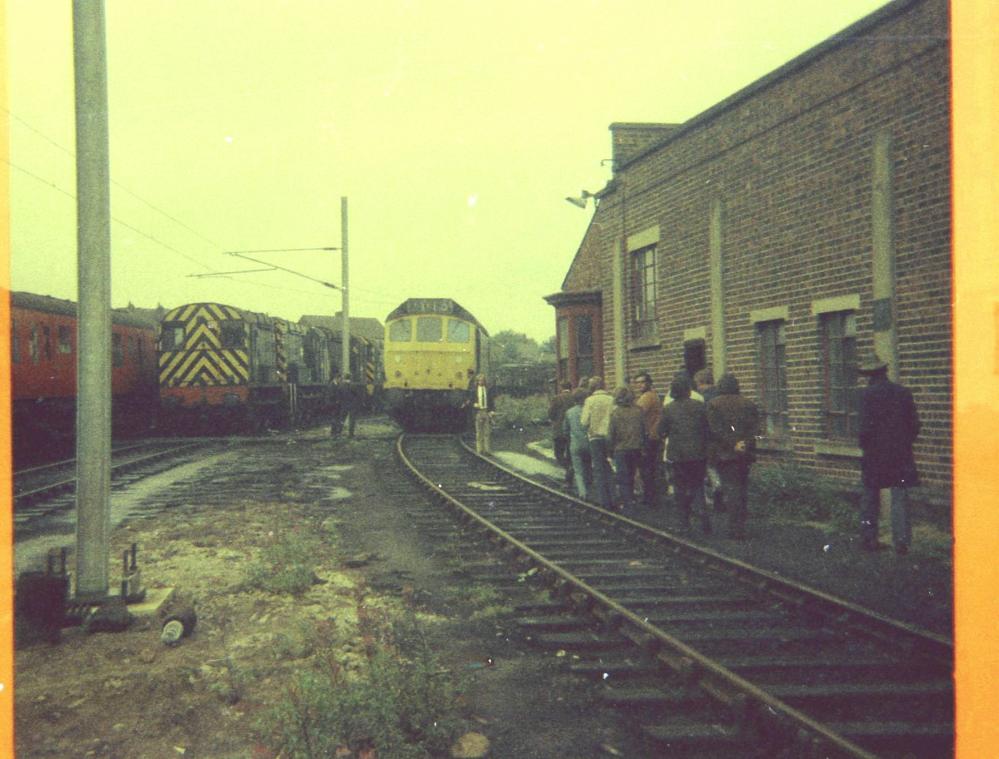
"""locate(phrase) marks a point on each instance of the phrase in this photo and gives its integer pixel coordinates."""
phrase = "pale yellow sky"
(456, 129)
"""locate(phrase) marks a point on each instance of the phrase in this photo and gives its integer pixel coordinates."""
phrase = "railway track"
(49, 488)
(710, 656)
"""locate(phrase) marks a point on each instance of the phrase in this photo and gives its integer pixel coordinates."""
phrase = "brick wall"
(791, 160)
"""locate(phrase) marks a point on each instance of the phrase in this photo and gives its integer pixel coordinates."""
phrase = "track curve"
(713, 656)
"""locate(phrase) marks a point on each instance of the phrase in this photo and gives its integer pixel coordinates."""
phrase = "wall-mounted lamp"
(581, 200)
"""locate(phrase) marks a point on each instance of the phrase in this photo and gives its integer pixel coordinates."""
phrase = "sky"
(455, 130)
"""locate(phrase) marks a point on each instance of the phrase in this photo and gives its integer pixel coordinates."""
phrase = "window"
(117, 350)
(584, 346)
(65, 340)
(33, 345)
(232, 334)
(773, 377)
(839, 353)
(562, 328)
(140, 358)
(457, 332)
(644, 292)
(172, 336)
(47, 342)
(401, 331)
(429, 329)
(15, 343)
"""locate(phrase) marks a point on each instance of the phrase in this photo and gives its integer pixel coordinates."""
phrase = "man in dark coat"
(351, 394)
(888, 425)
(733, 424)
(559, 404)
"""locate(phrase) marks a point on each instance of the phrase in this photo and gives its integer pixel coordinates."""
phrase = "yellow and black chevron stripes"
(204, 367)
(281, 360)
(200, 360)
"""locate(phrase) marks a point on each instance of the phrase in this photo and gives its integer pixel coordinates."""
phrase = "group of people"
(702, 441)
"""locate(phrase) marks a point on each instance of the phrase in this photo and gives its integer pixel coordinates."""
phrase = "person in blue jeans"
(888, 426)
(626, 438)
(579, 444)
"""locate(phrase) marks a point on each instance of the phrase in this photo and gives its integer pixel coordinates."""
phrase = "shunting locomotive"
(226, 368)
(433, 348)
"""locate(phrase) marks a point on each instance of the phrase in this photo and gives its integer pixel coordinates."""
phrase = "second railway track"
(711, 656)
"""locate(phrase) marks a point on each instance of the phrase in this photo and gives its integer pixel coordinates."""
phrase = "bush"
(521, 412)
(285, 563)
(792, 492)
(400, 703)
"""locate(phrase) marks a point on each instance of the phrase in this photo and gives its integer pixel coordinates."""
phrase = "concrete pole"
(345, 312)
(93, 347)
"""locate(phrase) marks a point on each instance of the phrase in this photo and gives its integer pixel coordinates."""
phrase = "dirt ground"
(127, 695)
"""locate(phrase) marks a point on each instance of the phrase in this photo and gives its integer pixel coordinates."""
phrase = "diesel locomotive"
(433, 350)
(43, 374)
(226, 368)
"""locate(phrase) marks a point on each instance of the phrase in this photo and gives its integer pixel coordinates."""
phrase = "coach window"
(839, 356)
(773, 377)
(15, 343)
(401, 331)
(644, 292)
(117, 350)
(33, 345)
(65, 344)
(231, 334)
(457, 332)
(47, 342)
(428, 329)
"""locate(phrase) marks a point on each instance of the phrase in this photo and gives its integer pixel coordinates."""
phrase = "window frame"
(772, 374)
(841, 394)
(644, 286)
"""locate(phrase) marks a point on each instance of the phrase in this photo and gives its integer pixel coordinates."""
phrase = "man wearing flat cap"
(889, 425)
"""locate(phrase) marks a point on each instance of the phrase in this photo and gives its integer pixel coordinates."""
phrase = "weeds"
(790, 491)
(285, 564)
(521, 412)
(399, 703)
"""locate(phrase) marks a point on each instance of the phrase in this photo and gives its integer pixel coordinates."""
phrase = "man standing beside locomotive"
(482, 402)
(889, 424)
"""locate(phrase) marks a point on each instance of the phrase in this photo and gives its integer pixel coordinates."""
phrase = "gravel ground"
(917, 588)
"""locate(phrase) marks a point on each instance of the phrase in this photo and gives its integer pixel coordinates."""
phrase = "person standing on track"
(704, 383)
(733, 423)
(595, 417)
(351, 393)
(484, 405)
(889, 424)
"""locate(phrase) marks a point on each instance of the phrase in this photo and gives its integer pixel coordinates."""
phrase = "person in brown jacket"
(684, 423)
(652, 454)
(626, 438)
(733, 424)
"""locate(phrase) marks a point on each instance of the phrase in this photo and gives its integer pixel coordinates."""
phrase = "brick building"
(782, 232)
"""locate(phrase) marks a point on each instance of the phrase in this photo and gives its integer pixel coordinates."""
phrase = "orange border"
(6, 492)
(975, 51)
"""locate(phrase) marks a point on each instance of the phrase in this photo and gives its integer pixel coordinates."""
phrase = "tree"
(509, 347)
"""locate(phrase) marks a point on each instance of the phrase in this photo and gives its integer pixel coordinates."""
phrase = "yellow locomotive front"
(433, 348)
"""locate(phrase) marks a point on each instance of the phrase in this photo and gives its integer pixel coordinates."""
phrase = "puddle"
(339, 494)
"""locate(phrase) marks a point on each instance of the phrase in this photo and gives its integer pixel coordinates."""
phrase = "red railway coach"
(43, 373)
